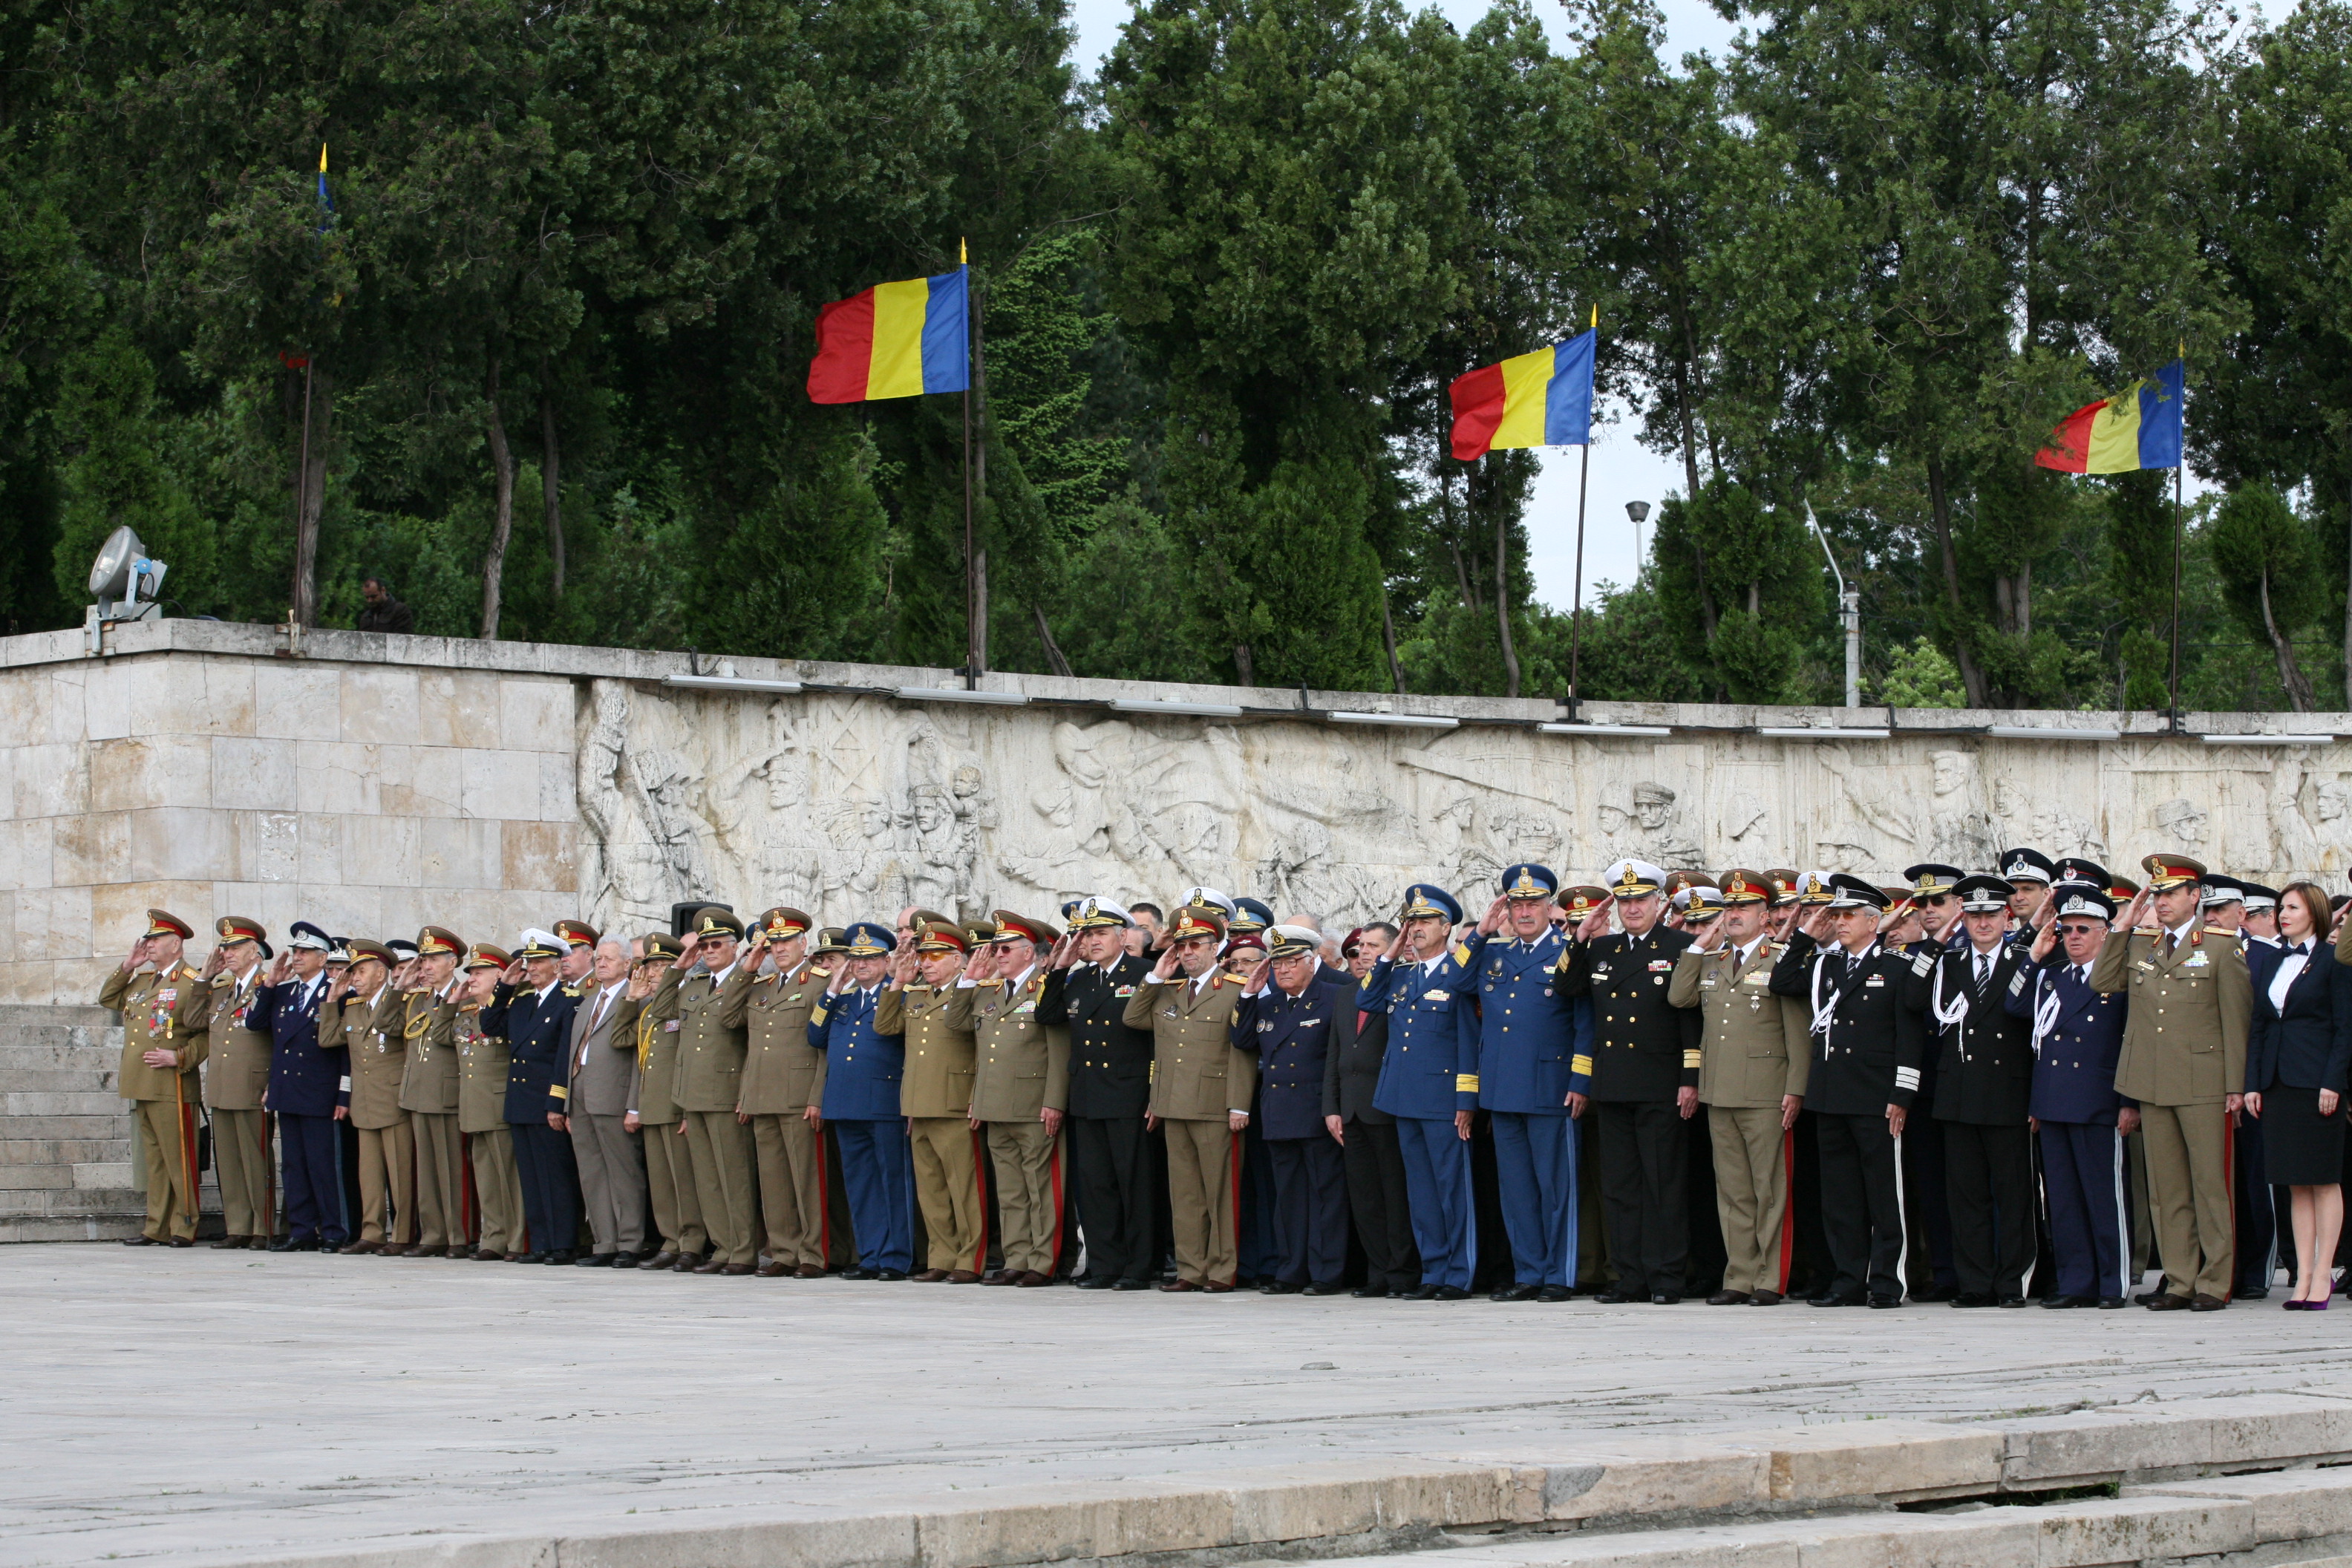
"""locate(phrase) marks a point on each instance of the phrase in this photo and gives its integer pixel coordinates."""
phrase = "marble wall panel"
(251, 774)
(298, 701)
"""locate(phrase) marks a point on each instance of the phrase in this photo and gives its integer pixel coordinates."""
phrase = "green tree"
(2267, 562)
(115, 477)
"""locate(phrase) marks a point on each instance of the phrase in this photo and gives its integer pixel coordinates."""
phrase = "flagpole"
(1576, 613)
(2179, 468)
(970, 589)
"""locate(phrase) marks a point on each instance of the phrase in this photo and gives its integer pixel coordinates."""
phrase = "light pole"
(1639, 510)
(1849, 614)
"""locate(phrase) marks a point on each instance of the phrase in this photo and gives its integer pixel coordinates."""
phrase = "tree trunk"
(1242, 667)
(2004, 605)
(1054, 660)
(1388, 637)
(1690, 433)
(1756, 601)
(494, 565)
(2025, 601)
(2291, 676)
(1940, 503)
(1503, 604)
(549, 485)
(310, 491)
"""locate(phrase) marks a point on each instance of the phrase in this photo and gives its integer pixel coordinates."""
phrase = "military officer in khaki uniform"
(1019, 1089)
(711, 1043)
(783, 1077)
(652, 1107)
(237, 1076)
(1200, 1090)
(934, 1095)
(482, 1067)
(2184, 1060)
(429, 1092)
(1754, 1054)
(374, 1022)
(165, 1009)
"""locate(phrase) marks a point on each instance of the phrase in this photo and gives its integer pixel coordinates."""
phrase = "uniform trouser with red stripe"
(1751, 1195)
(241, 1164)
(791, 1153)
(167, 1150)
(1110, 1162)
(947, 1185)
(874, 1167)
(1204, 1188)
(1027, 1163)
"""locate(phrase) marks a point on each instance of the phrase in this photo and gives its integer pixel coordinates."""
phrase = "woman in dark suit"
(2298, 1055)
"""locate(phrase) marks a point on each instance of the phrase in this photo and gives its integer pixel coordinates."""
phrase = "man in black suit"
(536, 1020)
(1984, 1080)
(1087, 989)
(1865, 1074)
(1369, 1149)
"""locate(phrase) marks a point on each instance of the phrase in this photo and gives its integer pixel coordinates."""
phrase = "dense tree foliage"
(543, 345)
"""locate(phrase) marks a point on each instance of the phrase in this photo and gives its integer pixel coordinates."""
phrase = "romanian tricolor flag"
(894, 340)
(1542, 399)
(2139, 427)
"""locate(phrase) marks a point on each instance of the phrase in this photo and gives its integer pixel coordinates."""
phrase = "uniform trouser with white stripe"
(1861, 1205)
(1751, 1195)
(1535, 1168)
(1437, 1185)
(2083, 1179)
(1988, 1185)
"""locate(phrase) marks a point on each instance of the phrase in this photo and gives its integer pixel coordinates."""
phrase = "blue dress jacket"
(538, 1034)
(1431, 1069)
(304, 1080)
(2307, 1043)
(2080, 1032)
(1529, 1033)
(863, 1066)
(1296, 1040)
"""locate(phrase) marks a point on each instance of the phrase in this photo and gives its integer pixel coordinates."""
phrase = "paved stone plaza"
(220, 1406)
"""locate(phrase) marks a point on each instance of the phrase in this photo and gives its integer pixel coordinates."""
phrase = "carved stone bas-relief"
(858, 806)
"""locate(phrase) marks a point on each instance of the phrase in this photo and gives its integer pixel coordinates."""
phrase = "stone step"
(55, 1080)
(53, 1201)
(16, 1228)
(113, 1124)
(63, 1102)
(15, 1051)
(16, 1151)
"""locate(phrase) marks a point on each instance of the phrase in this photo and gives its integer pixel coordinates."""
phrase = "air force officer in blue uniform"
(1429, 1082)
(862, 1070)
(2081, 1122)
(1297, 1021)
(1526, 1046)
(306, 1084)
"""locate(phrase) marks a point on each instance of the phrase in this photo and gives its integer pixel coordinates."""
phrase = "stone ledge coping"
(322, 646)
(1685, 1498)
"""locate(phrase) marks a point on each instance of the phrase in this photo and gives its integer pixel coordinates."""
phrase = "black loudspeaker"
(681, 916)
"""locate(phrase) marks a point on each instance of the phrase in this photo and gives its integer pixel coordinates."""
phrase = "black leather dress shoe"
(1555, 1293)
(1884, 1303)
(1665, 1299)
(1833, 1299)
(1323, 1288)
(562, 1255)
(1124, 1284)
(1971, 1298)
(2150, 1298)
(140, 1241)
(890, 1274)
(1938, 1293)
(1514, 1293)
(2011, 1301)
(1422, 1293)
(1764, 1299)
(1449, 1293)
(2109, 1303)
(295, 1244)
(869, 1274)
(1728, 1299)
(593, 1261)
(1369, 1292)
(625, 1260)
(2061, 1303)
(1279, 1288)
(1095, 1282)
(1614, 1297)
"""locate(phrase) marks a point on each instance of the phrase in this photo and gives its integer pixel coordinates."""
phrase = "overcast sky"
(1622, 470)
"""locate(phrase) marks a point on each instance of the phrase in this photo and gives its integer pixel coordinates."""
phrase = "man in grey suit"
(599, 1068)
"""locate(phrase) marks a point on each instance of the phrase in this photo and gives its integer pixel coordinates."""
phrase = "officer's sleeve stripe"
(343, 1086)
(1690, 1058)
(559, 1091)
(1907, 1077)
(1465, 1083)
(1583, 1065)
(816, 1015)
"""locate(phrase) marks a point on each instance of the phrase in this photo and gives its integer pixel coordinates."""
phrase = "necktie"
(1984, 967)
(2167, 944)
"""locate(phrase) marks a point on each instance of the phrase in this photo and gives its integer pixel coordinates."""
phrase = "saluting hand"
(1166, 968)
(686, 954)
(278, 967)
(138, 955)
(1596, 924)
(1492, 920)
(2045, 940)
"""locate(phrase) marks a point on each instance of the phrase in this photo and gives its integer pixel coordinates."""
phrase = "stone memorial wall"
(373, 782)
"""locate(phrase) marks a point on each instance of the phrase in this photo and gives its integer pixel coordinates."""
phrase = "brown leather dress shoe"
(776, 1271)
(808, 1271)
(662, 1259)
(929, 1276)
(429, 1252)
(229, 1243)
(1764, 1299)
(1175, 1285)
(184, 1241)
(2202, 1302)
(142, 1239)
(1219, 1288)
(1728, 1299)
(1030, 1279)
(360, 1247)
(738, 1268)
(1002, 1277)
(716, 1265)
(962, 1277)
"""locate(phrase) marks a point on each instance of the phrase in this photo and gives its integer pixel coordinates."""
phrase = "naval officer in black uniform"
(1093, 979)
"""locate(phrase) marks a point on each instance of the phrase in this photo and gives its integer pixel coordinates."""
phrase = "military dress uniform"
(599, 1068)
(1644, 1052)
(1020, 1069)
(1866, 1044)
(783, 1075)
(2077, 1034)
(236, 1080)
(935, 1097)
(306, 1071)
(2183, 1054)
(1298, 1039)
(669, 1165)
(165, 1008)
(1428, 1078)
(483, 1064)
(711, 1045)
(1984, 1080)
(377, 1051)
(1111, 1088)
(537, 1027)
(864, 1068)
(1198, 1079)
(1753, 1053)
(429, 1092)
(1377, 1200)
